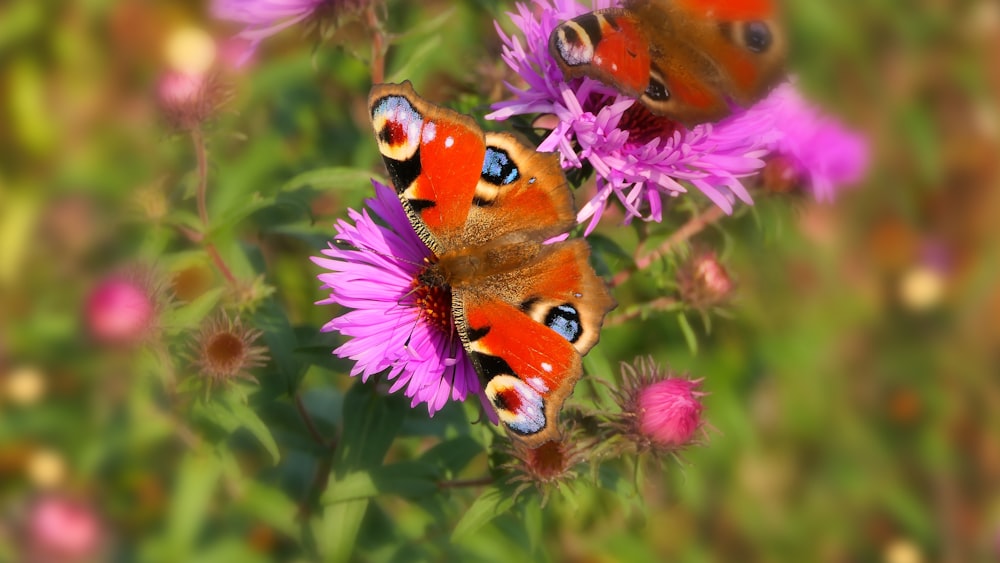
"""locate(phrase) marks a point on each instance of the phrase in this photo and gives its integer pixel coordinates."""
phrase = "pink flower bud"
(60, 529)
(659, 411)
(189, 99)
(120, 311)
(704, 281)
(669, 412)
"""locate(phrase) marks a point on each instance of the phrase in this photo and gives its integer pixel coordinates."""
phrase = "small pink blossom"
(61, 529)
(120, 310)
(669, 412)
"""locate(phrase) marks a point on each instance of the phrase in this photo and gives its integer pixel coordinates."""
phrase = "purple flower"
(818, 149)
(394, 322)
(263, 18)
(640, 158)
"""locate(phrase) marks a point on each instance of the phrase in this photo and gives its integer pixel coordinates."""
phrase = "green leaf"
(453, 455)
(281, 341)
(408, 479)
(336, 530)
(197, 477)
(273, 507)
(492, 503)
(402, 73)
(248, 419)
(371, 422)
(337, 177)
(188, 316)
(689, 336)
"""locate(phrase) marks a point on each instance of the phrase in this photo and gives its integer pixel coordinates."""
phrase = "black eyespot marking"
(480, 202)
(591, 26)
(757, 36)
(475, 334)
(657, 91)
(419, 205)
(491, 366)
(403, 172)
(528, 304)
(565, 320)
(499, 168)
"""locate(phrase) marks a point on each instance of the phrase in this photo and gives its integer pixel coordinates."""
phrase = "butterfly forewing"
(689, 60)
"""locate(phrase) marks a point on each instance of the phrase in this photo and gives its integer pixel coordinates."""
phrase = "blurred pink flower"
(61, 529)
(264, 18)
(394, 322)
(822, 153)
(640, 158)
(189, 99)
(121, 309)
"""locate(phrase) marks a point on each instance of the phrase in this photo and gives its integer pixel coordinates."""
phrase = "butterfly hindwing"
(688, 60)
(528, 331)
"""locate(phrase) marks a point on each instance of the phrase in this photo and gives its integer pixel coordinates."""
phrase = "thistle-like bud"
(225, 350)
(190, 92)
(550, 465)
(660, 412)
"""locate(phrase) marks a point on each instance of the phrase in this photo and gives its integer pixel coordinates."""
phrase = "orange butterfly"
(485, 204)
(683, 59)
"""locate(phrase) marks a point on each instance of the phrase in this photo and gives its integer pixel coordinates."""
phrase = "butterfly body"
(485, 205)
(689, 60)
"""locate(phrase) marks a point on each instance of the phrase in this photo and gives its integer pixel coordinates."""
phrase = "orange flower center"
(433, 297)
(643, 126)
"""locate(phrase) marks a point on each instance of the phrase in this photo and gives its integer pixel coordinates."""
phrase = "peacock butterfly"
(486, 205)
(687, 60)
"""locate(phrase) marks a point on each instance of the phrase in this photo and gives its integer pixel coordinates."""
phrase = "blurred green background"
(854, 403)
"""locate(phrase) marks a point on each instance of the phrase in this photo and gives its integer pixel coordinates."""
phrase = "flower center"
(225, 351)
(433, 297)
(547, 461)
(643, 126)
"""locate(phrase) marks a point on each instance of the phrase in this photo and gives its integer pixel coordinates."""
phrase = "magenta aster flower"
(264, 18)
(639, 158)
(820, 152)
(394, 322)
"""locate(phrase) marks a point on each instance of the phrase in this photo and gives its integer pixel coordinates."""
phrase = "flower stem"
(198, 140)
(378, 44)
(661, 304)
(311, 425)
(694, 226)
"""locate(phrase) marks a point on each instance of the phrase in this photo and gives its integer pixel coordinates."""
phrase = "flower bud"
(703, 281)
(659, 411)
(224, 350)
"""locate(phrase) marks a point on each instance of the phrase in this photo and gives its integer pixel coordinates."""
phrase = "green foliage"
(846, 417)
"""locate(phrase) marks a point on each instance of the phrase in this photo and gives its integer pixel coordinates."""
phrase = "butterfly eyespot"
(518, 405)
(657, 91)
(574, 40)
(757, 36)
(565, 320)
(499, 168)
